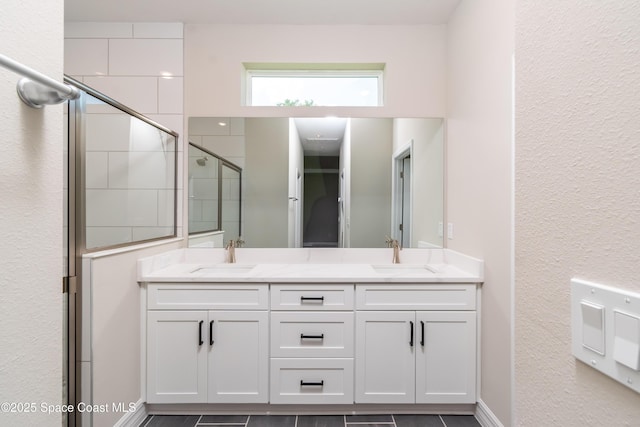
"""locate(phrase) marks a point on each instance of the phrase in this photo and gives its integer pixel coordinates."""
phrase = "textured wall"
(31, 171)
(577, 197)
(479, 174)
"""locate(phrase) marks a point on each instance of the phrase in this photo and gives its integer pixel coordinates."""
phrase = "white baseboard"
(133, 418)
(485, 417)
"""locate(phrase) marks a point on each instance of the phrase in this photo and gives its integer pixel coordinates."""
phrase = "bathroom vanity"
(327, 327)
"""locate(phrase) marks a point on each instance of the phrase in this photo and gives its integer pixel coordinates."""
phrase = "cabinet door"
(385, 361)
(176, 357)
(446, 357)
(238, 356)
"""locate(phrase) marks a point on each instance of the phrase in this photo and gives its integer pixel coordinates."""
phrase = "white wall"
(479, 192)
(371, 144)
(427, 175)
(414, 75)
(115, 330)
(138, 64)
(31, 173)
(577, 197)
(266, 181)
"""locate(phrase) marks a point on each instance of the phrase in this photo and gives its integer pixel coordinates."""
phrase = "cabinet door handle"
(304, 383)
(411, 335)
(422, 333)
(311, 337)
(211, 333)
(200, 342)
(304, 299)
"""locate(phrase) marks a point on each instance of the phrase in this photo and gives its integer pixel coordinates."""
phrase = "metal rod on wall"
(37, 90)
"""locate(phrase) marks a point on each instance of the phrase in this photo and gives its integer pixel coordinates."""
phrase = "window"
(307, 85)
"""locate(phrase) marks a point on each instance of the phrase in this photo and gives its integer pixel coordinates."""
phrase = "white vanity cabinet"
(207, 343)
(415, 343)
(312, 344)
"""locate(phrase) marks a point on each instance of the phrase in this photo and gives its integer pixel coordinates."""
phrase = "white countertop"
(311, 265)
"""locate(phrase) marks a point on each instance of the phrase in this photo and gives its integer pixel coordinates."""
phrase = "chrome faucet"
(393, 243)
(231, 251)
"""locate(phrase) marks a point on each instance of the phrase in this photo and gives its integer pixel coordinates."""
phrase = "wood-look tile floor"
(311, 421)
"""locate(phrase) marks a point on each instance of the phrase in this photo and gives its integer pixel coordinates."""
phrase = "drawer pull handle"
(200, 342)
(315, 299)
(411, 335)
(422, 334)
(304, 383)
(211, 333)
(311, 337)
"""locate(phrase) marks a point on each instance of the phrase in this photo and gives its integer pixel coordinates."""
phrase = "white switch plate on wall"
(605, 330)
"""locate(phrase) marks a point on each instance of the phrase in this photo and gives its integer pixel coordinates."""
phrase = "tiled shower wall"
(139, 65)
(224, 137)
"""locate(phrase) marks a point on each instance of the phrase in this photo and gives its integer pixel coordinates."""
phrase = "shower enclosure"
(120, 189)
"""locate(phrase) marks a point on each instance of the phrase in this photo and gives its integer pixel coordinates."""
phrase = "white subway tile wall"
(139, 65)
(224, 137)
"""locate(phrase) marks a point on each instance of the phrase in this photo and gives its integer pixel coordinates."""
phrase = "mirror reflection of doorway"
(321, 186)
(402, 203)
(405, 206)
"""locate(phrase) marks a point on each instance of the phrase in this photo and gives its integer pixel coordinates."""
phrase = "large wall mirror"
(330, 182)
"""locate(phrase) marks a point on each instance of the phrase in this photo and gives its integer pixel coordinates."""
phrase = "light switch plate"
(613, 311)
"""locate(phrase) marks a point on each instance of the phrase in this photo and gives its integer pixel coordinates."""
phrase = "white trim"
(131, 248)
(396, 193)
(485, 417)
(134, 418)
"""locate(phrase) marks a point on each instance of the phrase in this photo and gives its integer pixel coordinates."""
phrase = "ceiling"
(301, 12)
(321, 136)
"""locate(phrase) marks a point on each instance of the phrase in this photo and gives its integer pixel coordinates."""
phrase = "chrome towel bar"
(37, 90)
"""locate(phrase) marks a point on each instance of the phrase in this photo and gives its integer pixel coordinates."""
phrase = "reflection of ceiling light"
(166, 75)
(222, 123)
(322, 139)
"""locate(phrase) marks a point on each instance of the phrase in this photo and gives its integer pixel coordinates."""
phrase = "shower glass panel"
(214, 194)
(230, 202)
(203, 191)
(129, 176)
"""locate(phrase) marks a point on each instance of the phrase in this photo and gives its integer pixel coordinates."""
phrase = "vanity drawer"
(416, 297)
(312, 334)
(205, 296)
(311, 297)
(311, 381)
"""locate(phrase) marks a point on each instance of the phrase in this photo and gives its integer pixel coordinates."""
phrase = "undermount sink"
(224, 269)
(404, 269)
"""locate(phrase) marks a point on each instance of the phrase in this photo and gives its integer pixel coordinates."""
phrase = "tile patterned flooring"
(311, 421)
